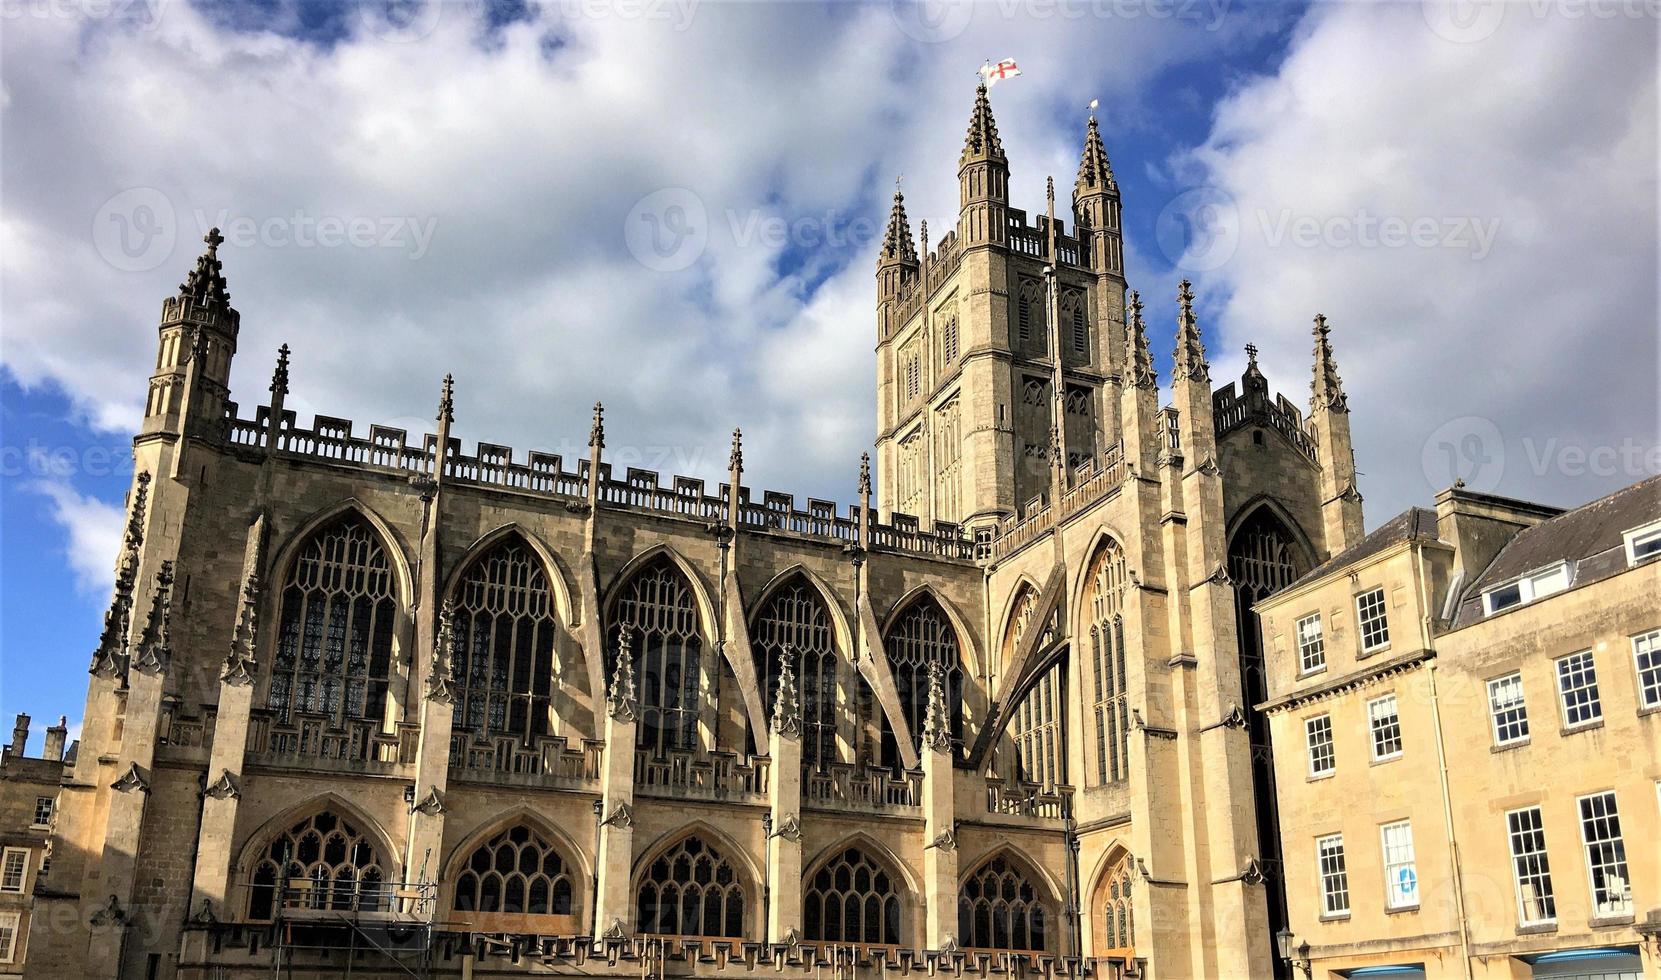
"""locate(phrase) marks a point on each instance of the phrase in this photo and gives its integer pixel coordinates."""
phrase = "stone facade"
(379, 705)
(1469, 768)
(28, 804)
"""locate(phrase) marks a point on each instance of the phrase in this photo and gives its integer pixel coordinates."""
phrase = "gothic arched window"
(657, 602)
(998, 908)
(795, 616)
(851, 899)
(1035, 728)
(1118, 924)
(515, 871)
(922, 635)
(504, 634)
(334, 635)
(691, 890)
(1107, 581)
(321, 863)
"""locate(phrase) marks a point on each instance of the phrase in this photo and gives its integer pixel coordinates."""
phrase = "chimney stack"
(55, 738)
(20, 735)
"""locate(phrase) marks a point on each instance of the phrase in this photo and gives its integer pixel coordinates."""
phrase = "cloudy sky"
(669, 205)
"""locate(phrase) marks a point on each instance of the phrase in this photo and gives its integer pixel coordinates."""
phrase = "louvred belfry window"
(658, 604)
(334, 637)
(505, 630)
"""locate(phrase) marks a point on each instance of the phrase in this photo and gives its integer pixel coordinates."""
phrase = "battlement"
(185, 309)
(389, 450)
(1233, 410)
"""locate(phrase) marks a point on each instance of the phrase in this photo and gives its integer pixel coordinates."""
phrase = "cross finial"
(597, 428)
(735, 461)
(1251, 353)
(279, 377)
(214, 239)
(446, 399)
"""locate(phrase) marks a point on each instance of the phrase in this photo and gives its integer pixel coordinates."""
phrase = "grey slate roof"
(1413, 524)
(1590, 538)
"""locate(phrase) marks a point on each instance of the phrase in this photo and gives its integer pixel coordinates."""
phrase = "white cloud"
(1542, 134)
(93, 529)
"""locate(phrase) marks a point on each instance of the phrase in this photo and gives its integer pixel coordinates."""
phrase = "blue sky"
(502, 152)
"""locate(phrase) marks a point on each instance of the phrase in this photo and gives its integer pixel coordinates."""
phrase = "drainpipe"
(1442, 772)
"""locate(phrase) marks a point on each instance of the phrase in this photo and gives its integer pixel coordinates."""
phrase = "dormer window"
(1535, 585)
(1643, 543)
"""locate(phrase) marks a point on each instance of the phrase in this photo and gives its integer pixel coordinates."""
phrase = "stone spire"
(1139, 371)
(897, 243)
(1189, 360)
(787, 706)
(279, 377)
(735, 459)
(597, 428)
(937, 731)
(204, 287)
(112, 642)
(1253, 380)
(982, 140)
(1326, 389)
(1095, 173)
(620, 699)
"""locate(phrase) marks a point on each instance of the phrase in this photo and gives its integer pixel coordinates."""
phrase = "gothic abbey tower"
(380, 703)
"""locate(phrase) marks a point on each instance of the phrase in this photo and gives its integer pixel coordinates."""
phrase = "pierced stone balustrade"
(304, 740)
(689, 775)
(1033, 801)
(508, 760)
(846, 787)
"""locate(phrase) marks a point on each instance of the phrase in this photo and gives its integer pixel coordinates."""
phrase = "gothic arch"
(747, 873)
(557, 584)
(867, 902)
(838, 616)
(390, 541)
(910, 675)
(522, 814)
(1037, 873)
(968, 642)
(1024, 584)
(1263, 501)
(708, 620)
(1109, 925)
(796, 610)
(249, 856)
(980, 909)
(1105, 536)
(879, 851)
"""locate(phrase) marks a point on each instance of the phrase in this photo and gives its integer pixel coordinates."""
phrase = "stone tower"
(990, 335)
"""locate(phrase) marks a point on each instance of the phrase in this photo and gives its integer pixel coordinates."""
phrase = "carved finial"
(735, 459)
(1049, 192)
(865, 474)
(111, 654)
(937, 733)
(1138, 357)
(1095, 173)
(204, 287)
(1326, 389)
(1189, 359)
(447, 400)
(441, 670)
(279, 377)
(1253, 378)
(240, 666)
(982, 139)
(156, 648)
(620, 699)
(923, 237)
(597, 428)
(787, 706)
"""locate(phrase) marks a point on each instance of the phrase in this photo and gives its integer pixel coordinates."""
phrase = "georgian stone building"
(382, 704)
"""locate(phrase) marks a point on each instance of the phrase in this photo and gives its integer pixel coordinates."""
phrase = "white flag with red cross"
(993, 74)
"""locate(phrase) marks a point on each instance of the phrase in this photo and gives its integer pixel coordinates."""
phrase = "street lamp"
(1293, 957)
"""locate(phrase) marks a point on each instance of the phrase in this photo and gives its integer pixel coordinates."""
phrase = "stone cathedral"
(378, 704)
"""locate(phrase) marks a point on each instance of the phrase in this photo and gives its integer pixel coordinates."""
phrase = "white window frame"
(51, 806)
(1377, 625)
(22, 854)
(1647, 535)
(1331, 756)
(1335, 883)
(1377, 726)
(1646, 661)
(8, 950)
(1311, 644)
(1535, 585)
(1520, 707)
(1532, 864)
(1398, 856)
(1610, 814)
(1589, 679)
